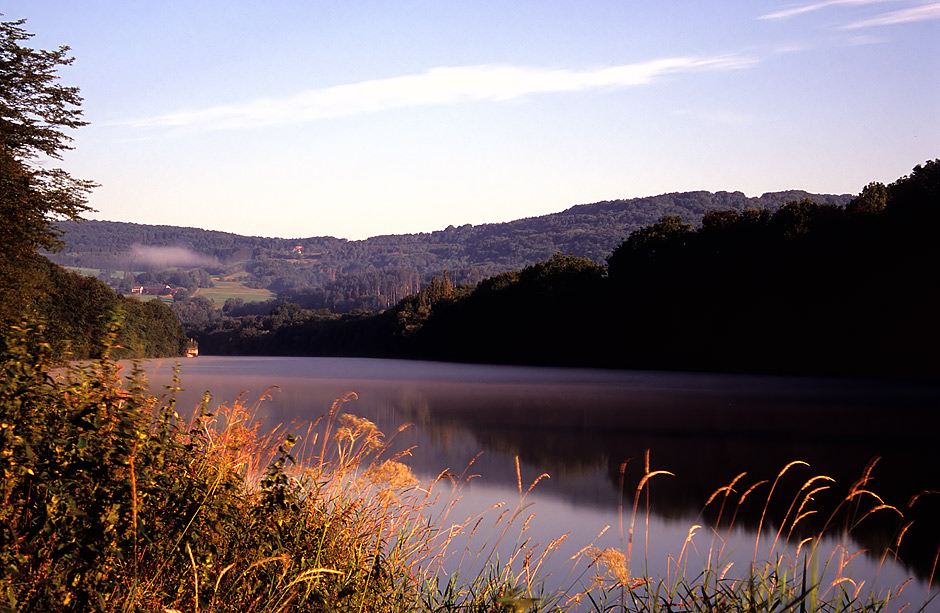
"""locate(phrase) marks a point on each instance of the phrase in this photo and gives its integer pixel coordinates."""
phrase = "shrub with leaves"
(111, 502)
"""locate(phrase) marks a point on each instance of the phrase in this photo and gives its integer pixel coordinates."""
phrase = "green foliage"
(112, 503)
(872, 199)
(503, 319)
(412, 312)
(808, 288)
(544, 314)
(150, 329)
(72, 450)
(656, 240)
(919, 190)
(34, 113)
(197, 311)
(35, 106)
(77, 313)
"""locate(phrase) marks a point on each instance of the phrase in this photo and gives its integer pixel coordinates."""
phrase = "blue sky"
(353, 119)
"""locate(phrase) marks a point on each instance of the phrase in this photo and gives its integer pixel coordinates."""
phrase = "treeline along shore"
(807, 288)
(816, 285)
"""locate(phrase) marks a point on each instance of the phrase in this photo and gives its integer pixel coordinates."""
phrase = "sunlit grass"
(114, 502)
(799, 572)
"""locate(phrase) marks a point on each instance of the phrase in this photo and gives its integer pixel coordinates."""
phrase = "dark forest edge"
(77, 313)
(809, 288)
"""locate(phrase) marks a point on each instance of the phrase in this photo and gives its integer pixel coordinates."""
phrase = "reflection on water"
(579, 426)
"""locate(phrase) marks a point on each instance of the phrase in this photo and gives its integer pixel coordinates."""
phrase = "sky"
(299, 118)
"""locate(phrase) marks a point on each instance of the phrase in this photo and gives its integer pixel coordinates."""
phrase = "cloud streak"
(909, 15)
(810, 8)
(437, 86)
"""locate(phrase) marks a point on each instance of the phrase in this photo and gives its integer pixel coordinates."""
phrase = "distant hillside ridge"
(584, 230)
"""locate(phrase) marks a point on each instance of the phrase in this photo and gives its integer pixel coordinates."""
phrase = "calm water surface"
(581, 425)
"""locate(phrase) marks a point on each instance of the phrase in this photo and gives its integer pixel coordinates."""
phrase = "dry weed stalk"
(824, 583)
(382, 532)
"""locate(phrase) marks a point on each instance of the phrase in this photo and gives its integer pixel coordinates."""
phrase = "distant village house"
(152, 290)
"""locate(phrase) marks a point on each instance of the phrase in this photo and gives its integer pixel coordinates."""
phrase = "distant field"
(95, 272)
(224, 290)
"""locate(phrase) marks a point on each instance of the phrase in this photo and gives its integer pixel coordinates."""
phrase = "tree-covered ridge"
(607, 223)
(375, 273)
(587, 230)
(808, 288)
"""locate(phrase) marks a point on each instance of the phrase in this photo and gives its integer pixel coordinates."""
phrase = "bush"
(112, 502)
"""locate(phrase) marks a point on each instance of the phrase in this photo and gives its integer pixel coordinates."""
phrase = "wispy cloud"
(916, 13)
(437, 86)
(816, 6)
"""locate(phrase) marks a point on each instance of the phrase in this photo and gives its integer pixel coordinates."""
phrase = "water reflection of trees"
(706, 443)
(703, 433)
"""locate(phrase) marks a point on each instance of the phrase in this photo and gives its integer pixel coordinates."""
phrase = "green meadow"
(224, 290)
(95, 272)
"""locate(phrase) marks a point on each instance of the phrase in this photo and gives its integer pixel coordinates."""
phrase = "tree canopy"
(35, 113)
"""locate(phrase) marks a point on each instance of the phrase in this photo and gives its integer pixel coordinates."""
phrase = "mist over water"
(581, 425)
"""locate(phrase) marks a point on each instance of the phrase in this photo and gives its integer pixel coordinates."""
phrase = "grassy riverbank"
(113, 502)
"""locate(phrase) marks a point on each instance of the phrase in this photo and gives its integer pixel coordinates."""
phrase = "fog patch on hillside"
(159, 258)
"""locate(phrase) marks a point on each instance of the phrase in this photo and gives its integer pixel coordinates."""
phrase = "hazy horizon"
(92, 217)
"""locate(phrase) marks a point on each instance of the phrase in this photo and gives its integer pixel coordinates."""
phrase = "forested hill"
(810, 288)
(470, 253)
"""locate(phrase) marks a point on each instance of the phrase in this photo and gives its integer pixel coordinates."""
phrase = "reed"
(805, 569)
(111, 501)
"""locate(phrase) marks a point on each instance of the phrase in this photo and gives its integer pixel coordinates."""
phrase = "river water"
(581, 425)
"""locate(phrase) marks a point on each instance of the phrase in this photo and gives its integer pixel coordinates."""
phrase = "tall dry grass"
(113, 502)
(806, 567)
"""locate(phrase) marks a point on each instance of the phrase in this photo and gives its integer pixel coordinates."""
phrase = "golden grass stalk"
(356, 529)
